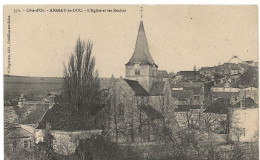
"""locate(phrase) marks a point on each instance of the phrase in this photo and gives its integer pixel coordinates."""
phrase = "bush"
(99, 148)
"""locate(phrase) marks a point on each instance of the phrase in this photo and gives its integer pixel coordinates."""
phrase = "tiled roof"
(207, 68)
(189, 73)
(182, 108)
(225, 84)
(249, 62)
(182, 95)
(138, 89)
(224, 94)
(232, 66)
(11, 115)
(196, 90)
(17, 132)
(157, 88)
(247, 103)
(151, 112)
(33, 114)
(220, 106)
(162, 74)
(10, 103)
(244, 65)
(61, 117)
(141, 53)
(187, 84)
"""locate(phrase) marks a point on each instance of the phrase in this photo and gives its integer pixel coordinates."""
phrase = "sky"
(179, 36)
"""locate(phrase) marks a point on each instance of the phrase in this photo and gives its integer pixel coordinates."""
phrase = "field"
(14, 86)
(37, 87)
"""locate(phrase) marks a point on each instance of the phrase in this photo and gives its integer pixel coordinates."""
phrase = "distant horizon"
(113, 74)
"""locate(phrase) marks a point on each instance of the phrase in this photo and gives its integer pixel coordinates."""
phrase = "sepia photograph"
(130, 82)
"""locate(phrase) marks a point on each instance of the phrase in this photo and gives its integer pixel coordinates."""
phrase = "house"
(231, 69)
(183, 97)
(245, 121)
(196, 87)
(189, 75)
(244, 65)
(233, 78)
(189, 113)
(216, 114)
(207, 71)
(141, 102)
(162, 74)
(249, 92)
(251, 63)
(225, 90)
(17, 137)
(225, 86)
(31, 115)
(67, 127)
(243, 118)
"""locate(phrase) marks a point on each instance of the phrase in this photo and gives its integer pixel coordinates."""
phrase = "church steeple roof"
(141, 53)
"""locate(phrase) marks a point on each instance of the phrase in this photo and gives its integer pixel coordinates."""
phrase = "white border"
(180, 2)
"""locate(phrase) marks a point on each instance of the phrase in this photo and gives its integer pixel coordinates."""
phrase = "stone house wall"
(245, 124)
(146, 76)
(66, 142)
(133, 123)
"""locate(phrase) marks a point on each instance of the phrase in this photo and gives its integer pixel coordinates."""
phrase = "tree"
(47, 144)
(209, 120)
(80, 79)
(188, 114)
(249, 78)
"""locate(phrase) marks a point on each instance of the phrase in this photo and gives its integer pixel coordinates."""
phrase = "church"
(140, 106)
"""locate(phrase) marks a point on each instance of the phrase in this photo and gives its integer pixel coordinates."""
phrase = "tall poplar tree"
(80, 79)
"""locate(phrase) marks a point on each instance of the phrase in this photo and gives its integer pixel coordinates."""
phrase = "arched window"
(137, 72)
(121, 110)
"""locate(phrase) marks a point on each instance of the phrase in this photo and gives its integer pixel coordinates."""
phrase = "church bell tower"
(141, 66)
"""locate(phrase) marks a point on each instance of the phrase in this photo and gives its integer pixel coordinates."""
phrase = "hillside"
(14, 86)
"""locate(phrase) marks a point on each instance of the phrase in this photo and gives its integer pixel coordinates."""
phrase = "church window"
(137, 72)
(121, 110)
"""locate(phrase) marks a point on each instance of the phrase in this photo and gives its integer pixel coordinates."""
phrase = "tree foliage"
(80, 79)
(249, 78)
(96, 148)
